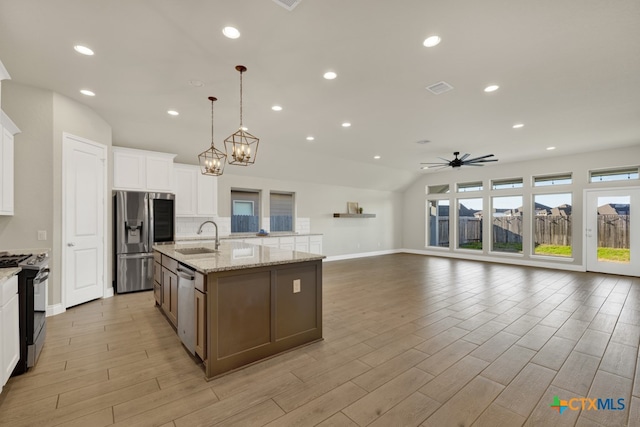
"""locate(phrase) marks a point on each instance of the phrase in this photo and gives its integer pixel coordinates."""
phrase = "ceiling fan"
(462, 161)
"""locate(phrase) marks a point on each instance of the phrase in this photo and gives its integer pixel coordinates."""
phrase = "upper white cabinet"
(141, 170)
(196, 194)
(7, 131)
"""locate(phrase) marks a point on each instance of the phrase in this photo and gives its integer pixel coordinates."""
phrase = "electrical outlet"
(296, 286)
(42, 234)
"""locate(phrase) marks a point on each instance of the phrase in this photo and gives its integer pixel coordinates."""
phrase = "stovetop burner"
(7, 261)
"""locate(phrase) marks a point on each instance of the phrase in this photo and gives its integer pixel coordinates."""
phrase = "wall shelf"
(346, 215)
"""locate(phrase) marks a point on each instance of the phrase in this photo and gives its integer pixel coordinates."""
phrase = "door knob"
(71, 244)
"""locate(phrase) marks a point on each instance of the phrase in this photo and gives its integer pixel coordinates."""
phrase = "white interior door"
(84, 198)
(612, 231)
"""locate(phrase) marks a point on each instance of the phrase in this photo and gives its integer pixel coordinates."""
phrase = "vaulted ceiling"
(569, 71)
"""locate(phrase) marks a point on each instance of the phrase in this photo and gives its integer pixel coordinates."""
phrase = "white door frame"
(627, 269)
(63, 243)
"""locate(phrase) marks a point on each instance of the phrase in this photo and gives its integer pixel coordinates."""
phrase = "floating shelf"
(346, 215)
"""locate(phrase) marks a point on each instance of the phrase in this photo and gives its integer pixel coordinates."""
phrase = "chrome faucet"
(216, 226)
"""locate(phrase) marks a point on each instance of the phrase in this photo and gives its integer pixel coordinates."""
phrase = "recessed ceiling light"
(346, 125)
(310, 138)
(83, 50)
(276, 108)
(330, 75)
(87, 92)
(491, 88)
(551, 148)
(432, 41)
(172, 113)
(376, 157)
(231, 32)
(518, 125)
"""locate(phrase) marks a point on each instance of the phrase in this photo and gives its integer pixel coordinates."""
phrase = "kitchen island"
(251, 302)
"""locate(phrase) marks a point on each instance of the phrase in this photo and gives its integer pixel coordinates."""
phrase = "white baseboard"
(55, 309)
(361, 255)
(108, 293)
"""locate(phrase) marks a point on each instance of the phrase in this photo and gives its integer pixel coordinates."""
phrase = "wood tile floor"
(409, 340)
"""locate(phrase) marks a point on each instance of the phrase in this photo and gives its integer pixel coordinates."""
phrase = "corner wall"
(43, 116)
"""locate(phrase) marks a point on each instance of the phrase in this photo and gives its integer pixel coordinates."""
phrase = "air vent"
(288, 4)
(440, 87)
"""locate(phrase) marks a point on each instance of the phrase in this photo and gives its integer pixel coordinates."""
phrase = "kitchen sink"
(195, 251)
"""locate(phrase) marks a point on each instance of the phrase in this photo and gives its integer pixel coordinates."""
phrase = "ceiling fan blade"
(444, 160)
(480, 158)
(439, 163)
(464, 157)
(482, 161)
(472, 164)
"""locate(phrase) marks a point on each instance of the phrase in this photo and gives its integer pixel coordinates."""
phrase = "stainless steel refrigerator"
(140, 220)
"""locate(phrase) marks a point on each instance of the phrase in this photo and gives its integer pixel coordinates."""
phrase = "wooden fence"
(613, 230)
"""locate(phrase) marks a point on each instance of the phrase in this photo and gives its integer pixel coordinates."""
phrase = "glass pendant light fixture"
(212, 161)
(241, 146)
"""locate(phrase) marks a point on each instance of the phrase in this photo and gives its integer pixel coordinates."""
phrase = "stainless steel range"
(32, 298)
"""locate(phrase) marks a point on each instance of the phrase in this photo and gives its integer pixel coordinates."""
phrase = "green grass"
(507, 247)
(471, 245)
(553, 250)
(614, 255)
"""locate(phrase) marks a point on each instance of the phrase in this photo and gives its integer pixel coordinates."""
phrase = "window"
(438, 189)
(470, 224)
(507, 183)
(245, 211)
(281, 209)
(470, 186)
(438, 223)
(552, 225)
(543, 181)
(507, 224)
(614, 175)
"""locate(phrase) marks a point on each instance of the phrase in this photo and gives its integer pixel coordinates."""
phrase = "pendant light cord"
(241, 100)
(212, 123)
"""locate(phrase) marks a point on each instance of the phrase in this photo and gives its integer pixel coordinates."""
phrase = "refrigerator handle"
(148, 207)
(135, 256)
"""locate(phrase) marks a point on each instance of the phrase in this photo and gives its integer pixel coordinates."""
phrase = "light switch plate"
(296, 286)
(42, 234)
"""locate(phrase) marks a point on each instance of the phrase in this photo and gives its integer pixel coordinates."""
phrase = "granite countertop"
(234, 256)
(242, 236)
(6, 273)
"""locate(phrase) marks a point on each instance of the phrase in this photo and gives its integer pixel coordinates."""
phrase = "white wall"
(415, 198)
(43, 116)
(318, 202)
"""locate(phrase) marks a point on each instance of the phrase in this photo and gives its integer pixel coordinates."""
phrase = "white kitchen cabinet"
(7, 131)
(315, 244)
(302, 243)
(196, 194)
(141, 170)
(287, 243)
(9, 329)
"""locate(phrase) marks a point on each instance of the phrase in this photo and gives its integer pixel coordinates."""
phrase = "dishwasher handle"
(185, 274)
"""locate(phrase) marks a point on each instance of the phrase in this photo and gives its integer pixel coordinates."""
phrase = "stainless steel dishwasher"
(186, 307)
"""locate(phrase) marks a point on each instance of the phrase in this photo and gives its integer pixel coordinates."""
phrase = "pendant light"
(241, 146)
(212, 161)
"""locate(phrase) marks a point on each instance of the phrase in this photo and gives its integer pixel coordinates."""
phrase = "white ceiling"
(569, 70)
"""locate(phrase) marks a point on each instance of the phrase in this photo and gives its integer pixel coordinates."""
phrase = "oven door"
(37, 335)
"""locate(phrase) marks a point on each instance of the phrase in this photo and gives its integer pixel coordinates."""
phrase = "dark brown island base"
(248, 302)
